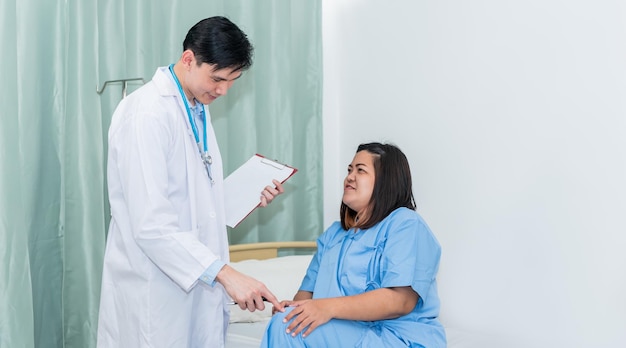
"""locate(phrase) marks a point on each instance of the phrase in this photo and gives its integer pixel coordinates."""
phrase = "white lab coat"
(167, 227)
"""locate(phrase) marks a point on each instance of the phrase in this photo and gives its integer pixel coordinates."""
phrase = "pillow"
(282, 276)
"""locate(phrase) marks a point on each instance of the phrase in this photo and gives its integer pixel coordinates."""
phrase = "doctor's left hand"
(269, 193)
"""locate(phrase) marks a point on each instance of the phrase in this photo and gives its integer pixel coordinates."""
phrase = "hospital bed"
(281, 266)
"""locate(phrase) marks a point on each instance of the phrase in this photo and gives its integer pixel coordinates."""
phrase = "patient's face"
(358, 185)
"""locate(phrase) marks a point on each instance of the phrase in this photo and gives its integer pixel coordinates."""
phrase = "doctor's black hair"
(218, 41)
(393, 186)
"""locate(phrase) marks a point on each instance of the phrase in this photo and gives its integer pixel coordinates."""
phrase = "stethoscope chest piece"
(207, 158)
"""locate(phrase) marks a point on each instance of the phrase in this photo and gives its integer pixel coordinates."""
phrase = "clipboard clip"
(274, 164)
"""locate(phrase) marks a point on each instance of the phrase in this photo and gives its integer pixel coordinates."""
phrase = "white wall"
(513, 116)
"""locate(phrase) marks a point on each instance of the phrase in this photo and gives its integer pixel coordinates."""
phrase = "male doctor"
(166, 280)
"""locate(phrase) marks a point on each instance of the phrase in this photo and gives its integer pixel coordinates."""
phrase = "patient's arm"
(303, 295)
(379, 304)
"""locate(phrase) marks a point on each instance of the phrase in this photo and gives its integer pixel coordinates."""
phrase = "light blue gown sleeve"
(411, 256)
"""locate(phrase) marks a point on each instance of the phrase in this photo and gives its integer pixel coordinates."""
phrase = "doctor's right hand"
(285, 303)
(246, 291)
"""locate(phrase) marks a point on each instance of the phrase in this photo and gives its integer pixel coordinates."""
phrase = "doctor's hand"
(246, 291)
(269, 193)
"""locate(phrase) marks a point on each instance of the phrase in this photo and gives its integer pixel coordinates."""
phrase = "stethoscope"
(204, 150)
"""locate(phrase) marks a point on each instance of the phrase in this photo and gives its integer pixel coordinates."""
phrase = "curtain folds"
(53, 203)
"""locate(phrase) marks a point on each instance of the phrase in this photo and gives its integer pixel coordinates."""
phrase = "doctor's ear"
(188, 58)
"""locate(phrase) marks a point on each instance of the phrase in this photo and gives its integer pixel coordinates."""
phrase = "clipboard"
(243, 187)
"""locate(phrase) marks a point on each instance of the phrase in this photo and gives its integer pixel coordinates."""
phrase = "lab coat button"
(212, 215)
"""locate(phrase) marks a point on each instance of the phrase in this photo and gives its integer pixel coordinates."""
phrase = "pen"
(234, 302)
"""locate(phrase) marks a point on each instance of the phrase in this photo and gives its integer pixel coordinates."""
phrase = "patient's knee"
(279, 316)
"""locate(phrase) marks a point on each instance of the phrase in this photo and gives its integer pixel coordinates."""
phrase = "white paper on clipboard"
(243, 187)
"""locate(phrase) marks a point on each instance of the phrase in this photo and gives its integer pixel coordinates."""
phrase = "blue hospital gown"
(398, 251)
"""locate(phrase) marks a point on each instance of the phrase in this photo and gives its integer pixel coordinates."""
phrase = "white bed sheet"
(245, 335)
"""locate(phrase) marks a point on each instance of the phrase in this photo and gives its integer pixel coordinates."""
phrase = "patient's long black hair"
(392, 187)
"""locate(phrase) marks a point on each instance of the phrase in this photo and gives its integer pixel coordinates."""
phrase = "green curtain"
(53, 205)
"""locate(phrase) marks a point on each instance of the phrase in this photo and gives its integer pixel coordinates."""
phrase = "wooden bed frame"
(266, 250)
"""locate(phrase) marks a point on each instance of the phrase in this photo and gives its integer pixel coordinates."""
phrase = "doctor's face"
(358, 185)
(207, 84)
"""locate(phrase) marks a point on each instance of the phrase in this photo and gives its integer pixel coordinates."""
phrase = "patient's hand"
(284, 303)
(299, 296)
(307, 315)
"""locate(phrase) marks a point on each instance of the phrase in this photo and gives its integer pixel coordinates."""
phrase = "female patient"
(372, 281)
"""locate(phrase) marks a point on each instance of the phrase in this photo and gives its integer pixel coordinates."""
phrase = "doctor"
(166, 280)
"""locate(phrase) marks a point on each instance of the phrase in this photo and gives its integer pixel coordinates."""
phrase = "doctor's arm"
(269, 193)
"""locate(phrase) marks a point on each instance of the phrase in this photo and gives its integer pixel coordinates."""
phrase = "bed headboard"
(266, 250)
